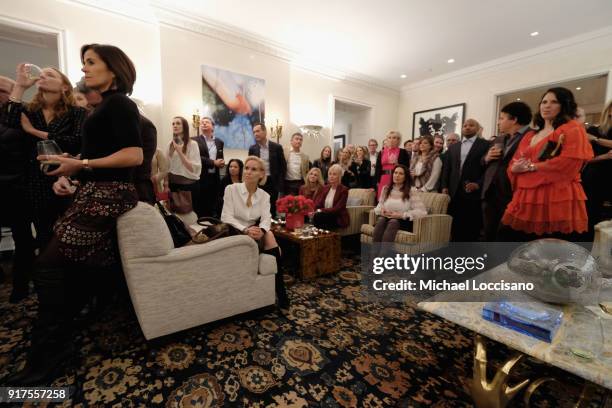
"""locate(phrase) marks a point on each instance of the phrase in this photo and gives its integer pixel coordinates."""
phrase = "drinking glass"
(33, 71)
(48, 148)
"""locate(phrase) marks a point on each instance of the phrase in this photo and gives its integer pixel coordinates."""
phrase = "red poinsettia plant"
(295, 205)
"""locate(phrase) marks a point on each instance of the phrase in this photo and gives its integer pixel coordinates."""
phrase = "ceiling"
(382, 40)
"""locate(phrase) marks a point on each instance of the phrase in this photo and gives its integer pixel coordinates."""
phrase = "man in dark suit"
(274, 160)
(462, 179)
(513, 124)
(211, 154)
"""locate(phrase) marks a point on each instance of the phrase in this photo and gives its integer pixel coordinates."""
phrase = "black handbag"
(179, 232)
(551, 149)
(213, 229)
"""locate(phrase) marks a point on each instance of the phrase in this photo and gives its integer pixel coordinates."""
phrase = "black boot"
(50, 352)
(51, 337)
(281, 291)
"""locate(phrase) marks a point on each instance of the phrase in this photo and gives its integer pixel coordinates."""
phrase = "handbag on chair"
(179, 232)
(213, 229)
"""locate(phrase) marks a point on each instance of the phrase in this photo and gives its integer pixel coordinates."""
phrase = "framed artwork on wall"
(235, 102)
(438, 121)
(339, 143)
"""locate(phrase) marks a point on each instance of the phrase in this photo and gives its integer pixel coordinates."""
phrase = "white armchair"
(173, 289)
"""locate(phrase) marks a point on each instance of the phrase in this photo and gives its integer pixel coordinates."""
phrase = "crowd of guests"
(527, 182)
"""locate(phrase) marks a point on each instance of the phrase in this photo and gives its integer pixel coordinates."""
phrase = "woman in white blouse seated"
(246, 207)
(426, 169)
(185, 164)
(397, 208)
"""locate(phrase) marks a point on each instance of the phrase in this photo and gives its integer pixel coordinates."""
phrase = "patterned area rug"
(333, 349)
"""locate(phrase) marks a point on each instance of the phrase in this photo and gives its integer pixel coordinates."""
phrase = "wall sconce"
(276, 131)
(195, 121)
(311, 131)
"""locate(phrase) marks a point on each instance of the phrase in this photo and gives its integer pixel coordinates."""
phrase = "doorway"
(352, 124)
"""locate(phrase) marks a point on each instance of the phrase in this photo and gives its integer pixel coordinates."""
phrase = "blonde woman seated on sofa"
(247, 208)
(397, 207)
(314, 184)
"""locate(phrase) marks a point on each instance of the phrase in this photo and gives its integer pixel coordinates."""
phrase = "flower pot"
(293, 221)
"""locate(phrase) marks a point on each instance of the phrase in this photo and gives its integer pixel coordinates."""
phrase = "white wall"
(479, 89)
(168, 64)
(342, 124)
(83, 24)
(312, 103)
(181, 73)
(293, 96)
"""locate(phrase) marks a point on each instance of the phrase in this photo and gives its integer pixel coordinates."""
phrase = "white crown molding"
(233, 35)
(138, 10)
(152, 11)
(509, 61)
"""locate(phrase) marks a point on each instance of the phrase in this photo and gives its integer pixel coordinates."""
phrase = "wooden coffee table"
(309, 257)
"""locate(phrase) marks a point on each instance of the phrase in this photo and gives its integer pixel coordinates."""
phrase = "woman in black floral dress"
(51, 115)
(83, 250)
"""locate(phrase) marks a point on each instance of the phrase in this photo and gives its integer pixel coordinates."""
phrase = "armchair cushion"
(267, 265)
(353, 201)
(365, 195)
(142, 232)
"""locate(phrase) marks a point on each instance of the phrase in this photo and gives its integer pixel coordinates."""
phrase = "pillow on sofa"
(353, 201)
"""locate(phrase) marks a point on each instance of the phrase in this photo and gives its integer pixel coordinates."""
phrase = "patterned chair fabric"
(358, 214)
(429, 233)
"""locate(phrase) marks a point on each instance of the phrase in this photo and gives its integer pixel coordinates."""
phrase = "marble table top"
(593, 331)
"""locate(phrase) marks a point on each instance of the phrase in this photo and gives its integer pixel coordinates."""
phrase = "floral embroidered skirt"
(87, 231)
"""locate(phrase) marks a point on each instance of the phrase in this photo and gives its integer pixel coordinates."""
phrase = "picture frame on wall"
(438, 121)
(339, 143)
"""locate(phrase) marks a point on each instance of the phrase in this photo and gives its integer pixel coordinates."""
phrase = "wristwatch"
(531, 167)
(86, 164)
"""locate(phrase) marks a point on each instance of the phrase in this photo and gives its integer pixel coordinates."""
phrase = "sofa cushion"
(353, 201)
(366, 195)
(142, 232)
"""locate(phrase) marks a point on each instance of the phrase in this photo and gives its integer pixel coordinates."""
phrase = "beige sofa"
(428, 233)
(358, 213)
(173, 289)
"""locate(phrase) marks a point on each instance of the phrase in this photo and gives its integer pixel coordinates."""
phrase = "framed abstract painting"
(438, 121)
(235, 102)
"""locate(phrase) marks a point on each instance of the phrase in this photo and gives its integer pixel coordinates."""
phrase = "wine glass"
(48, 148)
(33, 71)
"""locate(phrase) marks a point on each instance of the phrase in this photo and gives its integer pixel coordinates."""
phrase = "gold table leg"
(497, 393)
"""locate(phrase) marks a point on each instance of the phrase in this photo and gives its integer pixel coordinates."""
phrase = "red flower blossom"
(294, 205)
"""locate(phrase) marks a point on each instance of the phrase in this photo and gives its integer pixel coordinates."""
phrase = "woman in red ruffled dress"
(548, 199)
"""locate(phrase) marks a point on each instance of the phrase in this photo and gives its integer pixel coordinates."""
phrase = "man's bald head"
(470, 128)
(6, 87)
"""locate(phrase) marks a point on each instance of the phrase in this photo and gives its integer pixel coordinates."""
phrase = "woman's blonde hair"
(336, 167)
(394, 133)
(62, 106)
(262, 166)
(604, 122)
(319, 182)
